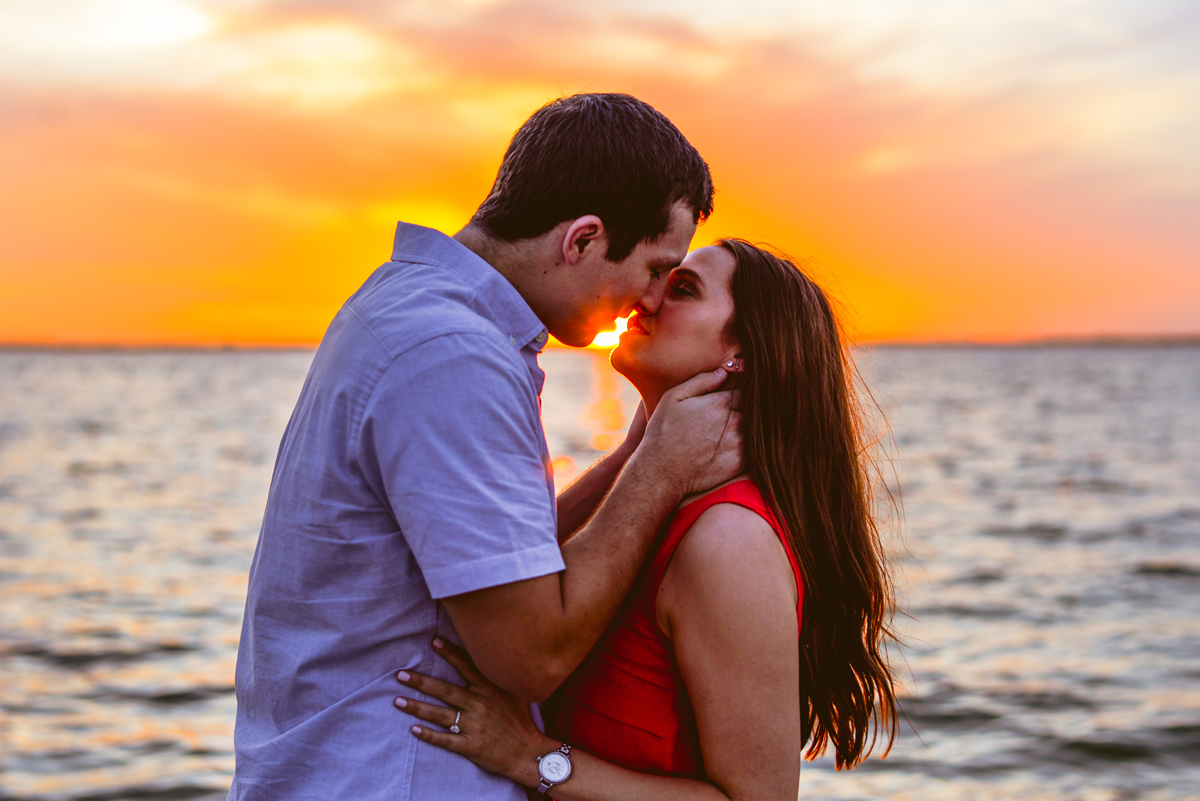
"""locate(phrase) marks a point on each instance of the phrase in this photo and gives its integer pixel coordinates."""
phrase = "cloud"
(938, 158)
(317, 66)
(1087, 84)
(79, 30)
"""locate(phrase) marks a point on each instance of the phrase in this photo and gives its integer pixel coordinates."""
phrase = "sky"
(209, 172)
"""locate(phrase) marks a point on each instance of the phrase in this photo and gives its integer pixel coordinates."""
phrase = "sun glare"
(148, 23)
(609, 339)
(104, 25)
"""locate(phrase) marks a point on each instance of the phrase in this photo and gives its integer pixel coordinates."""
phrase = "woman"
(698, 689)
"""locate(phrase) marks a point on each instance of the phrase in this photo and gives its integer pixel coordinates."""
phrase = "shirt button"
(512, 340)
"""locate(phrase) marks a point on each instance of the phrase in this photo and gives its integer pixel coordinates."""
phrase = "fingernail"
(402, 702)
(403, 676)
(416, 729)
(437, 642)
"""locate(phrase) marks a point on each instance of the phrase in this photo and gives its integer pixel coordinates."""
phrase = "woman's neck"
(651, 397)
(651, 400)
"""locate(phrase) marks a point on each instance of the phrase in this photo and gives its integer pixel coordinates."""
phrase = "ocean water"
(1049, 565)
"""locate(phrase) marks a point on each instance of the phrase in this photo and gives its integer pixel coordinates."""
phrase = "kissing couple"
(427, 620)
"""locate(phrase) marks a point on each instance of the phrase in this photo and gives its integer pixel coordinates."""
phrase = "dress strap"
(743, 493)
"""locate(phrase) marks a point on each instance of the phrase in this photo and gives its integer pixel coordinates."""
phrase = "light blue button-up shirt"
(414, 467)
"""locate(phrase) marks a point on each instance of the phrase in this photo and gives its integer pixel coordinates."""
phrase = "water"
(1050, 574)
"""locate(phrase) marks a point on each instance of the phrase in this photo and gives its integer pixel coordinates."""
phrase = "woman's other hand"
(495, 728)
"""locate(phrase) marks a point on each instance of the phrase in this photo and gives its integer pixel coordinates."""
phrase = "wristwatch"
(554, 768)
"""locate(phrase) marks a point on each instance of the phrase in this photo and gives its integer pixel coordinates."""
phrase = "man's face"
(608, 290)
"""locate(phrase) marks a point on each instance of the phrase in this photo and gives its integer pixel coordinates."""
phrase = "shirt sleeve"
(451, 439)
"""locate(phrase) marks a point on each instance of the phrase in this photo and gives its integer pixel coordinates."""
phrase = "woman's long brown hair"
(803, 445)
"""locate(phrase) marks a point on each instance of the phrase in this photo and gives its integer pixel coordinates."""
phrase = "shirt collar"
(496, 299)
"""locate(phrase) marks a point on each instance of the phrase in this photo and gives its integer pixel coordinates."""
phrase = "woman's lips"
(635, 325)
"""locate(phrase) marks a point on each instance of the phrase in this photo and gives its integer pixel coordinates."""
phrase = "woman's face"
(687, 335)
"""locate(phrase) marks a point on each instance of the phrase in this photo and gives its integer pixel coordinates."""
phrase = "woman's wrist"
(524, 770)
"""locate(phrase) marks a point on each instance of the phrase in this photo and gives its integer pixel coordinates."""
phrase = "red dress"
(626, 702)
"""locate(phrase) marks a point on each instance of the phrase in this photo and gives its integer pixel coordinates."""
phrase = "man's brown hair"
(610, 155)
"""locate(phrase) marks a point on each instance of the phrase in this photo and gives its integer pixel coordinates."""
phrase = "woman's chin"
(625, 361)
(619, 357)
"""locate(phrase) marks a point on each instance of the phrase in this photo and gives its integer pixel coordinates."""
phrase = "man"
(411, 495)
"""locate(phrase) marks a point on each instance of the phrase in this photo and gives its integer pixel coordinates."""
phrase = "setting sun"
(609, 339)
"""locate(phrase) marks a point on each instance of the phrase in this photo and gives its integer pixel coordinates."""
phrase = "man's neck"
(507, 258)
(525, 264)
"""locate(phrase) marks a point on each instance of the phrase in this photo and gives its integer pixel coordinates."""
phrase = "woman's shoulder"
(739, 491)
(730, 535)
(731, 553)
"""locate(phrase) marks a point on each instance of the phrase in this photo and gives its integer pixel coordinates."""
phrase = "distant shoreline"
(1163, 341)
(119, 348)
(1115, 341)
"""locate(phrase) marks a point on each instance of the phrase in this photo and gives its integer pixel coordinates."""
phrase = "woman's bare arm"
(728, 601)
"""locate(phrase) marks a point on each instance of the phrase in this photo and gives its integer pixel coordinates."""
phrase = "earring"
(735, 365)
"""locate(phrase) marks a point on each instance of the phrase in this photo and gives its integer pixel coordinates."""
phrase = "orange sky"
(228, 171)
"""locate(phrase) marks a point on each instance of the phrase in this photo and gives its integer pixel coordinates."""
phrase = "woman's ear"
(734, 364)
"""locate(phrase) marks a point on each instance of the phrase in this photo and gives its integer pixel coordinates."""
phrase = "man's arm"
(528, 636)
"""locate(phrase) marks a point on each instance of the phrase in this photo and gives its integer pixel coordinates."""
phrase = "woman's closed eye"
(681, 286)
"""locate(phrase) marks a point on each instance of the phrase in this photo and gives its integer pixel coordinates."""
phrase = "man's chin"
(575, 339)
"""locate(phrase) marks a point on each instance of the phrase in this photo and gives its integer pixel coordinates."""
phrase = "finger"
(441, 715)
(700, 384)
(442, 739)
(733, 426)
(461, 661)
(452, 694)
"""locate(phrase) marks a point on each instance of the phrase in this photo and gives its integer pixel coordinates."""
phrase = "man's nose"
(652, 298)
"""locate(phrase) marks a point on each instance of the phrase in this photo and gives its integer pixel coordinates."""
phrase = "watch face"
(555, 767)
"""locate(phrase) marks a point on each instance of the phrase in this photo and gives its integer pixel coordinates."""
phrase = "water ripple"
(1050, 569)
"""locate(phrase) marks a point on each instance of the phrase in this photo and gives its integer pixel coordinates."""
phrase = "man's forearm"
(527, 636)
(579, 501)
(604, 558)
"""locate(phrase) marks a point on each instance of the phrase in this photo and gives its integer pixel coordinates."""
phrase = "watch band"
(543, 784)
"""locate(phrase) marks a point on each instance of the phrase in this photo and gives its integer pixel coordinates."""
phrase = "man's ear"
(585, 233)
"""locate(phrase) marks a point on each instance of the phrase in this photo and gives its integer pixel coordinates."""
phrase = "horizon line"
(1099, 341)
